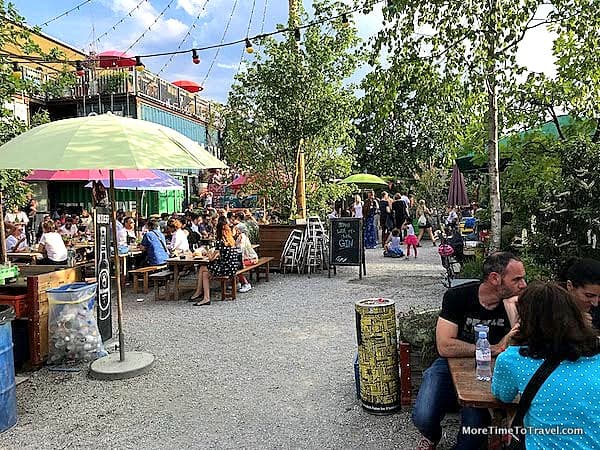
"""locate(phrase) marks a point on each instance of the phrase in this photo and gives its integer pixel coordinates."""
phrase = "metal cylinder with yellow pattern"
(378, 355)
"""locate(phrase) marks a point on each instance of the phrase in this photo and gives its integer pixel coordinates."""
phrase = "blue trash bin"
(8, 386)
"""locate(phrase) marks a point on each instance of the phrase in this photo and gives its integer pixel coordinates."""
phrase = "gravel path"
(270, 370)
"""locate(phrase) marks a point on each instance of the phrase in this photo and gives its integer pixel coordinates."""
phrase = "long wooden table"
(179, 262)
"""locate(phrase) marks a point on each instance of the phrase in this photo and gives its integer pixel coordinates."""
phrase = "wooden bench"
(164, 276)
(144, 272)
(264, 261)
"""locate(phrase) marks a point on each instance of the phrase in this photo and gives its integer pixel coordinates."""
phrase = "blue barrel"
(8, 387)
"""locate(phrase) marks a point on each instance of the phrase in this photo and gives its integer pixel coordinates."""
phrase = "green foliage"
(290, 95)
(418, 329)
(473, 267)
(431, 184)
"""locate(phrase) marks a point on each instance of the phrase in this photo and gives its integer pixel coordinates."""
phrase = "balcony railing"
(143, 84)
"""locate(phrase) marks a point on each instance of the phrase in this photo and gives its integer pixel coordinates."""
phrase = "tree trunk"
(492, 144)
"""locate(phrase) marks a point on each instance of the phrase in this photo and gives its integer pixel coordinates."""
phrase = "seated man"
(491, 303)
(16, 240)
(154, 245)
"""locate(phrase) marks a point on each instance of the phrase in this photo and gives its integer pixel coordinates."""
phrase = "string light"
(139, 65)
(249, 48)
(195, 57)
(16, 71)
(66, 13)
(297, 35)
(150, 27)
(345, 20)
(296, 30)
(114, 27)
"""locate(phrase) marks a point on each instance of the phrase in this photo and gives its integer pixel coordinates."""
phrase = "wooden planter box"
(38, 308)
(272, 239)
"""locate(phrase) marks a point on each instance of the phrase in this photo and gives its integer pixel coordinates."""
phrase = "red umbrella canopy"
(89, 175)
(115, 58)
(190, 86)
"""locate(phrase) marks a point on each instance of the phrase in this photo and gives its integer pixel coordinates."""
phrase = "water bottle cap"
(482, 335)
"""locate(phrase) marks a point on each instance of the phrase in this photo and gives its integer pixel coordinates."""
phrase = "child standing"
(393, 245)
(411, 239)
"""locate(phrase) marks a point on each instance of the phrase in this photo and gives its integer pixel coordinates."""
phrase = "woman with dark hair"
(581, 277)
(552, 327)
(224, 261)
(370, 208)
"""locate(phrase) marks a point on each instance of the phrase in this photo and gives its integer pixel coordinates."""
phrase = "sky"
(166, 25)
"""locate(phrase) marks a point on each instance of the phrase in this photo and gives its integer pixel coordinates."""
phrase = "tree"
(476, 41)
(287, 96)
(13, 33)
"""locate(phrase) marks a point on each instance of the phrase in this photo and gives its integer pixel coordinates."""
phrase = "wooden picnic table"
(478, 394)
(32, 256)
(177, 262)
(469, 390)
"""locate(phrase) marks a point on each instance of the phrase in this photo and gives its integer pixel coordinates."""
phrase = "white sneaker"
(245, 288)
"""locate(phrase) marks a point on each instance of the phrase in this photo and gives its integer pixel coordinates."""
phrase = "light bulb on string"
(345, 21)
(16, 71)
(139, 65)
(195, 57)
(249, 48)
(297, 35)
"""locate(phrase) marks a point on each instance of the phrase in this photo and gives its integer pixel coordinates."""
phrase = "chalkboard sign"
(346, 243)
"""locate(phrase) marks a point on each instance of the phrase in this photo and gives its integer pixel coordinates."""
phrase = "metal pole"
(117, 261)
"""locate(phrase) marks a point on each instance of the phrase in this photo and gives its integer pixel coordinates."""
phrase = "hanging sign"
(102, 231)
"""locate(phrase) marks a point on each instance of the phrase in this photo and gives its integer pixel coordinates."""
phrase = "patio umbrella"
(120, 175)
(162, 182)
(115, 58)
(190, 86)
(457, 194)
(364, 180)
(238, 182)
(98, 142)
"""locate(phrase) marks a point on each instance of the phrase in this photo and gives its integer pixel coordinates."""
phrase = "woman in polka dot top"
(565, 413)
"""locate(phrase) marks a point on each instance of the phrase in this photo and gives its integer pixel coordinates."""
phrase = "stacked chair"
(306, 251)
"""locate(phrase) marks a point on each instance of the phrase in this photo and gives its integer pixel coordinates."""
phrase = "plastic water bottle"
(483, 358)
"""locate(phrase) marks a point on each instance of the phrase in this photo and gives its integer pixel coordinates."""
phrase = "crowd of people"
(556, 321)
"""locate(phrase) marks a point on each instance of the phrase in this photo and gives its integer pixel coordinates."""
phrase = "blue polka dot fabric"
(565, 413)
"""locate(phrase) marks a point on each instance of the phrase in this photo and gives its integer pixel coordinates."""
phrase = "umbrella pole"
(111, 193)
(2, 234)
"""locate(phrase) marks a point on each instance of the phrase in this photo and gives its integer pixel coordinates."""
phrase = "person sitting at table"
(86, 219)
(16, 216)
(552, 326)
(463, 307)
(224, 262)
(40, 230)
(154, 245)
(581, 277)
(52, 246)
(179, 242)
(69, 228)
(16, 240)
(126, 234)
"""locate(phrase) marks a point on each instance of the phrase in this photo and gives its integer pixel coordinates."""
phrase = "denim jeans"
(436, 397)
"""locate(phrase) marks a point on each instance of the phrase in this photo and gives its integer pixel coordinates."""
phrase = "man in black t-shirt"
(491, 302)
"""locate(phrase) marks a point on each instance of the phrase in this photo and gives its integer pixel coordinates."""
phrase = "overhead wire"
(66, 13)
(119, 22)
(212, 63)
(187, 35)
(247, 33)
(225, 44)
(150, 26)
(262, 25)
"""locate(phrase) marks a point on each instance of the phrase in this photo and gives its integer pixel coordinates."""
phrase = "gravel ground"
(270, 370)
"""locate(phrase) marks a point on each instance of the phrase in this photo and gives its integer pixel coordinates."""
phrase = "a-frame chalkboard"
(346, 245)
